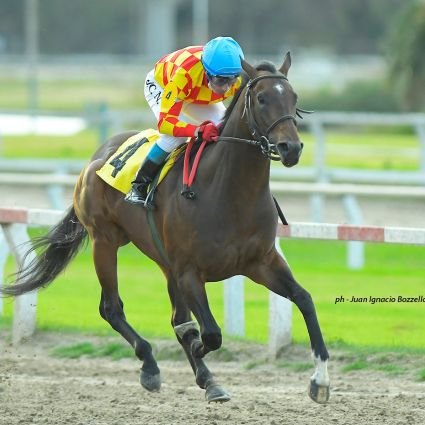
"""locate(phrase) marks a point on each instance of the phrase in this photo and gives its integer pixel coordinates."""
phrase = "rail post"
(355, 249)
(420, 131)
(4, 252)
(317, 200)
(280, 318)
(24, 318)
(103, 122)
(56, 192)
(234, 312)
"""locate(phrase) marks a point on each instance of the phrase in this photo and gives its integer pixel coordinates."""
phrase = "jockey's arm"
(173, 97)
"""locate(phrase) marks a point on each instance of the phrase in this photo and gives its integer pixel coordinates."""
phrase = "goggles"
(219, 80)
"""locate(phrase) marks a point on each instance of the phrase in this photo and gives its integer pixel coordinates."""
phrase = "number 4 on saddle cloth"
(120, 169)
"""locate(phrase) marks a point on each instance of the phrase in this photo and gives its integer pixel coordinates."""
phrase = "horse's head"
(270, 105)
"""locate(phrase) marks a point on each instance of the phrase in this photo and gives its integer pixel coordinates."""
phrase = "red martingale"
(190, 173)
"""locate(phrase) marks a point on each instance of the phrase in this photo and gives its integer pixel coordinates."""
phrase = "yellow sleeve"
(173, 96)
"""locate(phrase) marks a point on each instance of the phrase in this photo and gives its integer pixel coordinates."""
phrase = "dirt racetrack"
(37, 388)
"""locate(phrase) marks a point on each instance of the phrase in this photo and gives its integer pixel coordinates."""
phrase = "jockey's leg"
(139, 186)
(153, 93)
(150, 168)
(159, 151)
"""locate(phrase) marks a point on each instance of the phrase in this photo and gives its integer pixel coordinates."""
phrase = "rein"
(261, 139)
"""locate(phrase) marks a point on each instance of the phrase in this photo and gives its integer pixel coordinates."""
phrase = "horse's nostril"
(283, 147)
(302, 145)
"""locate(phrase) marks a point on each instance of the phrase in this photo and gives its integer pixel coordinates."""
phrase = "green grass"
(71, 302)
(73, 96)
(294, 366)
(115, 351)
(391, 364)
(363, 364)
(348, 360)
(356, 365)
(80, 146)
(364, 150)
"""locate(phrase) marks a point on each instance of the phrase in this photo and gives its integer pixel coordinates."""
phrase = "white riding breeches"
(191, 113)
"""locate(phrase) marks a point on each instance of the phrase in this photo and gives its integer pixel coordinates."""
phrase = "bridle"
(260, 138)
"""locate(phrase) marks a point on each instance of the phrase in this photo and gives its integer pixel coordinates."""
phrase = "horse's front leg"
(275, 274)
(112, 310)
(193, 291)
(190, 293)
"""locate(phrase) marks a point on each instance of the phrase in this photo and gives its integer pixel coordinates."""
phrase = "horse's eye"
(261, 99)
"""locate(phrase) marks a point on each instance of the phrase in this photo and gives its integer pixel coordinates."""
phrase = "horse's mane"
(263, 66)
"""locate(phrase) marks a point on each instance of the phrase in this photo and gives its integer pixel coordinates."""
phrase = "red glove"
(208, 131)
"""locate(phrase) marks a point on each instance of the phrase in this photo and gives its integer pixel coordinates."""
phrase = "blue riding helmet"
(222, 56)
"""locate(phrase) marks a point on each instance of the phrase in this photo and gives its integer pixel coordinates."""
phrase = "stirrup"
(136, 197)
(148, 204)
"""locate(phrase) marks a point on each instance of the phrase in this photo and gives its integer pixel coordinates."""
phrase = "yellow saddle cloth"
(121, 168)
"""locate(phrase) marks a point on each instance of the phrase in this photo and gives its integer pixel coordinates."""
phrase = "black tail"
(56, 250)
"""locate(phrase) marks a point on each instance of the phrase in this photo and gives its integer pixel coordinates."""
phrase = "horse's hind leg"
(111, 309)
(187, 334)
(276, 275)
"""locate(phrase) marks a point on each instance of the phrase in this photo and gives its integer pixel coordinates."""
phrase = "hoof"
(215, 393)
(150, 382)
(318, 393)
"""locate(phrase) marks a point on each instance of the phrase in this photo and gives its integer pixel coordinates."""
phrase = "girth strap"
(156, 237)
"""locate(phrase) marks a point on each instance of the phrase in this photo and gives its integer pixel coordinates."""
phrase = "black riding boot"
(139, 186)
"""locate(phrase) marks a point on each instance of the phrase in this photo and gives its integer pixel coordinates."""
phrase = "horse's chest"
(225, 241)
(220, 237)
(233, 228)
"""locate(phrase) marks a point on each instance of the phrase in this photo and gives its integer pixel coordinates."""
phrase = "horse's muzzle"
(290, 152)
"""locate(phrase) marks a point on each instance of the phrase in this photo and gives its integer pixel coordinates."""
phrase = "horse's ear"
(250, 70)
(286, 64)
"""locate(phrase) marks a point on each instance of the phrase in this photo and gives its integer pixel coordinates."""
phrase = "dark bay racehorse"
(229, 229)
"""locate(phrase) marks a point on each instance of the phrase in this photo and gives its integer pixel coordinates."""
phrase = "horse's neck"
(234, 170)
(241, 161)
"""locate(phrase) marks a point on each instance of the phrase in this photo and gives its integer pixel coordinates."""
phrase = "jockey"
(185, 91)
